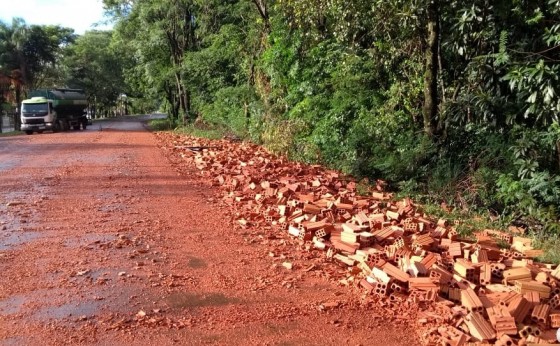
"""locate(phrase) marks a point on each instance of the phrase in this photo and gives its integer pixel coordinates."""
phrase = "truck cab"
(56, 109)
(37, 114)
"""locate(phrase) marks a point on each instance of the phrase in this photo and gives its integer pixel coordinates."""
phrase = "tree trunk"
(188, 104)
(17, 118)
(263, 11)
(183, 98)
(429, 111)
(558, 153)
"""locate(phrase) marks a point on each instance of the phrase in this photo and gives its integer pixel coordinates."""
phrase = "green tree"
(95, 65)
(28, 54)
(432, 95)
(169, 25)
(44, 50)
(31, 50)
(12, 59)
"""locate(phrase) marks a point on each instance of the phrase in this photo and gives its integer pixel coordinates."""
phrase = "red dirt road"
(103, 241)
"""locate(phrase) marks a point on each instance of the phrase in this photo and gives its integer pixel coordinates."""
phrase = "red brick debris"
(470, 290)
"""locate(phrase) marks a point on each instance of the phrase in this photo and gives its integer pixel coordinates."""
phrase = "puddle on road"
(16, 220)
(181, 300)
(7, 164)
(25, 302)
(14, 341)
(197, 263)
(67, 310)
(60, 304)
(9, 220)
(18, 195)
(12, 305)
(9, 239)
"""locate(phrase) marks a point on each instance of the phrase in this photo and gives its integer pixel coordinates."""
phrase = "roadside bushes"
(342, 83)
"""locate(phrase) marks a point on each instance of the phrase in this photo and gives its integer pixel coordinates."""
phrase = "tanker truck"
(54, 109)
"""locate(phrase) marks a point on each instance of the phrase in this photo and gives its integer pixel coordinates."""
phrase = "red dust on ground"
(103, 241)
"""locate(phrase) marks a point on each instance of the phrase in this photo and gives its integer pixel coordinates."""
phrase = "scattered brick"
(392, 250)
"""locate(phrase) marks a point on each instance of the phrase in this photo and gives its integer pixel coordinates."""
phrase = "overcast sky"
(77, 14)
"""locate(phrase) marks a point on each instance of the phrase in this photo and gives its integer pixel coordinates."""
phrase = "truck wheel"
(55, 128)
(84, 126)
(40, 131)
(27, 132)
(76, 127)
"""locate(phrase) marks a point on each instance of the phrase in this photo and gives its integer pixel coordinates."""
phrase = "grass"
(195, 130)
(467, 222)
(471, 222)
(161, 124)
(550, 244)
(201, 131)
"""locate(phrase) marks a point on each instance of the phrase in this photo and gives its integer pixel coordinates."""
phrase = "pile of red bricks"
(486, 292)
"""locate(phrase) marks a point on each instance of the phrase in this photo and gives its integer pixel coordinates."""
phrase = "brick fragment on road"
(392, 249)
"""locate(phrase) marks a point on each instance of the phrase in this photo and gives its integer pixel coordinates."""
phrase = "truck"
(55, 109)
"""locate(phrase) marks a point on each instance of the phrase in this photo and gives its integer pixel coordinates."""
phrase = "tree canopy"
(450, 100)
(29, 55)
(94, 64)
(443, 98)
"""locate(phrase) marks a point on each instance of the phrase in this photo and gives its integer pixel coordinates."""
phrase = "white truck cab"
(37, 114)
(56, 109)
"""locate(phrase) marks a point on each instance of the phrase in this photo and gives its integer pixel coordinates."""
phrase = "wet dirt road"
(104, 242)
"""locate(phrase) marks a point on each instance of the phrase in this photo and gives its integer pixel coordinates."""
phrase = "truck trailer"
(54, 109)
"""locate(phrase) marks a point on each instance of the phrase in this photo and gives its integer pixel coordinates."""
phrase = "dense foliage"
(92, 63)
(46, 56)
(454, 101)
(29, 56)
